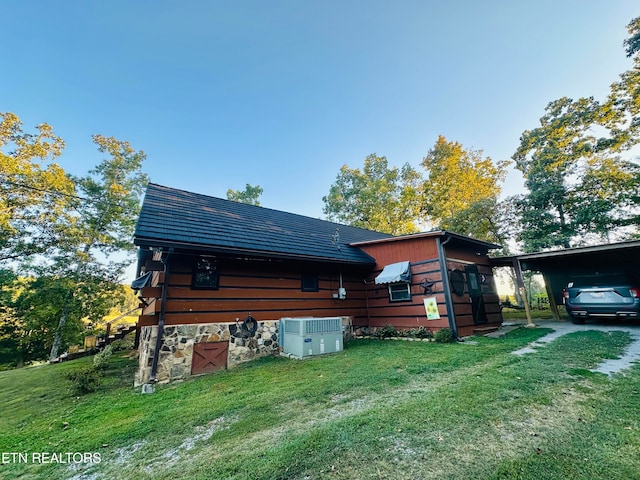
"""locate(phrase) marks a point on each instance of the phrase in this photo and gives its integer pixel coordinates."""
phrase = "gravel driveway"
(630, 355)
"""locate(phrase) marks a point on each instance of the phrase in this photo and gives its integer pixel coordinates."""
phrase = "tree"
(107, 207)
(607, 197)
(250, 195)
(66, 238)
(546, 156)
(34, 190)
(8, 321)
(377, 197)
(462, 189)
(632, 43)
(578, 185)
(620, 113)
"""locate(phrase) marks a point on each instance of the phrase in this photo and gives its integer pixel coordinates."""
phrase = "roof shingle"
(191, 221)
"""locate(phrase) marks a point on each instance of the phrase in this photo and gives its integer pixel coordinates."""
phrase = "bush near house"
(444, 335)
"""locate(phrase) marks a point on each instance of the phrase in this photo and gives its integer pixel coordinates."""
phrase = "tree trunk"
(58, 338)
(563, 227)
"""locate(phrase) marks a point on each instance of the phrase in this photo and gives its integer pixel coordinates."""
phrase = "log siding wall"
(270, 290)
(266, 290)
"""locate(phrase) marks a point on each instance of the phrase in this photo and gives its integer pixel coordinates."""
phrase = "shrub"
(101, 360)
(125, 343)
(386, 331)
(444, 335)
(420, 332)
(84, 380)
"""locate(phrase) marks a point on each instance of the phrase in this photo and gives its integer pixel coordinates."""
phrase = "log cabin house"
(216, 277)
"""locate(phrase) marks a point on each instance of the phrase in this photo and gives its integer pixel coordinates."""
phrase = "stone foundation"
(176, 352)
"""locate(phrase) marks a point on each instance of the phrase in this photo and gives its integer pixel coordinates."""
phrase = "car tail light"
(565, 294)
(634, 292)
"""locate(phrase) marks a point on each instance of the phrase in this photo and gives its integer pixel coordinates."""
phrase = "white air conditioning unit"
(306, 337)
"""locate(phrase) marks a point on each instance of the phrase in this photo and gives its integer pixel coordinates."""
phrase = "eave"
(193, 248)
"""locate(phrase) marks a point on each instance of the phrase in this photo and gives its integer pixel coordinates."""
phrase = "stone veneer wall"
(176, 353)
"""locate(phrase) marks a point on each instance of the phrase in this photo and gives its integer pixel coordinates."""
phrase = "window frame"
(313, 278)
(213, 282)
(405, 291)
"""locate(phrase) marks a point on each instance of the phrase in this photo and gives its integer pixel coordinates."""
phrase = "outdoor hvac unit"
(305, 337)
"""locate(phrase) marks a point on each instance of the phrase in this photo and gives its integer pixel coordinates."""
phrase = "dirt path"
(608, 367)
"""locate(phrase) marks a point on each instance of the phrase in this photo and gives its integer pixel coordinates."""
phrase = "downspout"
(163, 304)
(366, 299)
(446, 287)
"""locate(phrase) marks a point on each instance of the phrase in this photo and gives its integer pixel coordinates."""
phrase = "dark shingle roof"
(191, 221)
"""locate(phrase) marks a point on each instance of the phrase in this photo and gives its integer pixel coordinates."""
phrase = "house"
(217, 276)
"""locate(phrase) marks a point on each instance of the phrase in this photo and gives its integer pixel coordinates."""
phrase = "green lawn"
(511, 314)
(380, 409)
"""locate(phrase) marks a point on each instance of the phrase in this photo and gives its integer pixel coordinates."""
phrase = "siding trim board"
(423, 321)
(425, 262)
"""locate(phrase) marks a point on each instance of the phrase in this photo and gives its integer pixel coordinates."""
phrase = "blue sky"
(281, 94)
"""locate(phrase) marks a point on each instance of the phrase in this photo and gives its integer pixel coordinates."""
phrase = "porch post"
(552, 300)
(523, 291)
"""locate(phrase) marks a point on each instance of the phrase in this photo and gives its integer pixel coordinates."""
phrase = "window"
(399, 292)
(309, 282)
(205, 274)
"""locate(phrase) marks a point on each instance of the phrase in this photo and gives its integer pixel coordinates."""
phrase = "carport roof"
(561, 266)
(615, 255)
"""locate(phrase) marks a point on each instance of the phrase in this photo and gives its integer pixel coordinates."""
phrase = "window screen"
(399, 292)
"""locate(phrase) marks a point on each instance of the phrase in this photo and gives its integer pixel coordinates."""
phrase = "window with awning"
(394, 273)
(397, 276)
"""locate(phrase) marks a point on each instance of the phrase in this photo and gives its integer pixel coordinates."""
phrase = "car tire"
(578, 321)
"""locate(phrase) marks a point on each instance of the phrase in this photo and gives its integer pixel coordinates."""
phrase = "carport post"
(552, 300)
(523, 290)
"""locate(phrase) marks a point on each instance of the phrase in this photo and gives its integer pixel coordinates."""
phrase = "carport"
(559, 266)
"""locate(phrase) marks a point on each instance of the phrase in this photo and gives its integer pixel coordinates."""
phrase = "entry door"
(209, 356)
(475, 292)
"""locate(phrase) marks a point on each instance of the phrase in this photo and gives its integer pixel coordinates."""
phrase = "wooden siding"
(414, 250)
(422, 255)
(266, 290)
(458, 258)
(270, 290)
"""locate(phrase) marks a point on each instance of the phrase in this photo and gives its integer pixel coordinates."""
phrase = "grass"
(509, 314)
(384, 410)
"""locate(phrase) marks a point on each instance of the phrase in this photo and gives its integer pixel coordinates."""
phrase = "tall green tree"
(578, 185)
(107, 206)
(9, 324)
(461, 191)
(548, 157)
(251, 195)
(619, 115)
(377, 197)
(607, 197)
(632, 44)
(35, 192)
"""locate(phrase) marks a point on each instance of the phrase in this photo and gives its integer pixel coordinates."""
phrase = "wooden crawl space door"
(209, 357)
